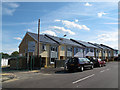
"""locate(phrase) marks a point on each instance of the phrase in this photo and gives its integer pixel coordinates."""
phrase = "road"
(104, 77)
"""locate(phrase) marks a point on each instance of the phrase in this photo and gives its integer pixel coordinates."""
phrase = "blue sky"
(88, 21)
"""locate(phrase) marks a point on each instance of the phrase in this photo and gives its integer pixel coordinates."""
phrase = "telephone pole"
(38, 37)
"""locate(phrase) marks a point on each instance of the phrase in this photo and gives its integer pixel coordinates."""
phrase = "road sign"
(31, 46)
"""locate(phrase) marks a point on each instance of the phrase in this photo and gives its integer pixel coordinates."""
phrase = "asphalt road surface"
(104, 77)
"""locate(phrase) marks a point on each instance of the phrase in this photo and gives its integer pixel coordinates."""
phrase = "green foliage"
(5, 55)
(15, 54)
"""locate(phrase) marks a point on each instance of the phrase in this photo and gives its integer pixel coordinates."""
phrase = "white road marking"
(83, 78)
(104, 70)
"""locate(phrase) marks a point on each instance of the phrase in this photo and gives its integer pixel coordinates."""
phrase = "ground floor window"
(61, 57)
(52, 61)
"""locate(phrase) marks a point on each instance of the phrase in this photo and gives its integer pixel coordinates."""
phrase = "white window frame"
(44, 49)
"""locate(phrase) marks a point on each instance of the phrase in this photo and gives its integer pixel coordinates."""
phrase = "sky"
(95, 22)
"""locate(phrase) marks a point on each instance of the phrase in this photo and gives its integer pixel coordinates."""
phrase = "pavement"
(14, 74)
(104, 77)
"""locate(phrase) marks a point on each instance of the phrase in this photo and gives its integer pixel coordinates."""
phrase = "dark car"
(98, 62)
(79, 64)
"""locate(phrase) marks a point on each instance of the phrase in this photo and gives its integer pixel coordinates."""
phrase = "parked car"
(79, 64)
(98, 62)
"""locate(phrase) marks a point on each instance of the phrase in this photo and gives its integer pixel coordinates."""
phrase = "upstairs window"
(69, 49)
(97, 51)
(104, 51)
(91, 50)
(87, 50)
(44, 47)
(53, 48)
(62, 48)
(116, 52)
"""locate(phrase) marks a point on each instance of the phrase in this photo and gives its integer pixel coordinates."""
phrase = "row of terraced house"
(52, 48)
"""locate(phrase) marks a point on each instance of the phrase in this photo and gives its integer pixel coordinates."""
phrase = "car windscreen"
(99, 60)
(81, 59)
(73, 60)
(87, 59)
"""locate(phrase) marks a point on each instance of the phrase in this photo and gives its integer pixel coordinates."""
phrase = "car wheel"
(92, 67)
(82, 68)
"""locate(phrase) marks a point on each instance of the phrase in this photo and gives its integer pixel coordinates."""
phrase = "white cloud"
(17, 38)
(87, 4)
(85, 27)
(29, 30)
(63, 29)
(57, 20)
(9, 8)
(108, 38)
(7, 11)
(76, 20)
(12, 5)
(49, 32)
(70, 24)
(100, 14)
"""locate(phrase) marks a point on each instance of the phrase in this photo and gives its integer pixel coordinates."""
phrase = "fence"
(59, 63)
(33, 62)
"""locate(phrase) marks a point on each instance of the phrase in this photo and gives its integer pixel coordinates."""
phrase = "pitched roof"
(43, 38)
(97, 45)
(63, 41)
(106, 47)
(85, 44)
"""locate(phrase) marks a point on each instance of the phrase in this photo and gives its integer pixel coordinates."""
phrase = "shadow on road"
(66, 71)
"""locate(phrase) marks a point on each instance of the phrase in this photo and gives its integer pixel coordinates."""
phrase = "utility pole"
(39, 58)
(38, 37)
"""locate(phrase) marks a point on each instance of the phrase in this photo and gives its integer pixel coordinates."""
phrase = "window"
(87, 50)
(91, 50)
(52, 61)
(87, 60)
(54, 48)
(116, 52)
(104, 51)
(69, 49)
(99, 59)
(76, 50)
(97, 51)
(81, 50)
(62, 48)
(43, 47)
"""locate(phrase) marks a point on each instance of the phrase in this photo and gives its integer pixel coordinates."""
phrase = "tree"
(5, 55)
(15, 54)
